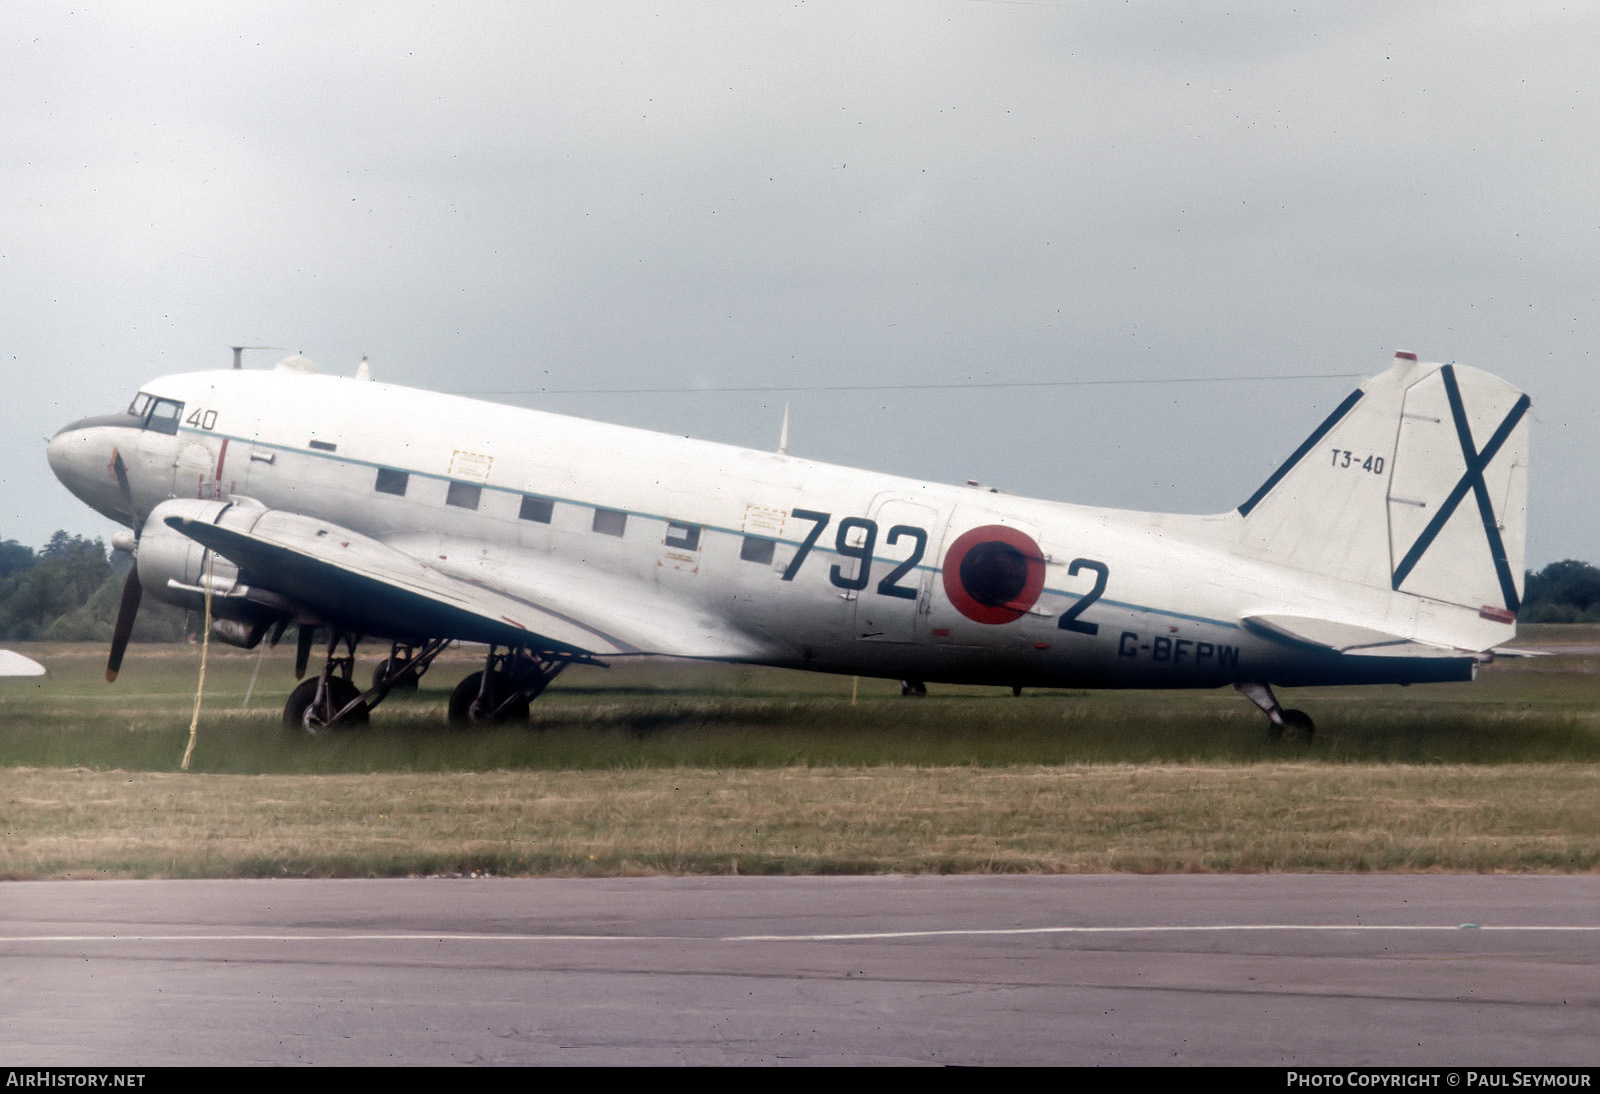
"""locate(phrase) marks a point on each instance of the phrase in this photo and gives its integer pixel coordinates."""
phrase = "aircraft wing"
(382, 589)
(636, 615)
(1345, 638)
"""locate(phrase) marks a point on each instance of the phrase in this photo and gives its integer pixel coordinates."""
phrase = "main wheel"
(403, 680)
(913, 688)
(466, 709)
(300, 711)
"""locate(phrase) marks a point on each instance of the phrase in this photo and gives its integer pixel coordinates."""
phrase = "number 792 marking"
(861, 552)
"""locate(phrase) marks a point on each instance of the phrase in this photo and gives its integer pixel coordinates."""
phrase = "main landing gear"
(1280, 723)
(328, 700)
(511, 679)
(501, 693)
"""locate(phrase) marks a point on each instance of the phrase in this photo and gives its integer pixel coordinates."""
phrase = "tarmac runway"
(1279, 970)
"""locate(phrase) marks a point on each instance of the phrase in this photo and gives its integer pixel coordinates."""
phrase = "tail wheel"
(1297, 726)
(303, 713)
(501, 703)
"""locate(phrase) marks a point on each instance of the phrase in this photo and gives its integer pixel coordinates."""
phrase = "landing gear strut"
(400, 671)
(1280, 722)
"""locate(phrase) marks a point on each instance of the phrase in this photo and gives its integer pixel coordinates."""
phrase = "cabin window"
(609, 522)
(685, 536)
(324, 446)
(392, 482)
(464, 495)
(164, 416)
(756, 549)
(536, 509)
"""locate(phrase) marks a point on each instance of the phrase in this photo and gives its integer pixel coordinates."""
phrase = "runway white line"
(1219, 927)
(853, 936)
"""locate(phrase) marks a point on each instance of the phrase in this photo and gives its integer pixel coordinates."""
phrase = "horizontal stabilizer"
(1345, 638)
(14, 664)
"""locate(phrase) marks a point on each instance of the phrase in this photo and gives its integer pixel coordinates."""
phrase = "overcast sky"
(516, 197)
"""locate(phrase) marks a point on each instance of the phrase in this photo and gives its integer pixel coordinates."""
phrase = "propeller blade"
(127, 612)
(302, 652)
(121, 470)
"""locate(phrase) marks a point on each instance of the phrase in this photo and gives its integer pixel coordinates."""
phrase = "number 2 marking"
(1069, 618)
(890, 585)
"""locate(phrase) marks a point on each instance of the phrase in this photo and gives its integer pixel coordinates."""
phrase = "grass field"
(680, 768)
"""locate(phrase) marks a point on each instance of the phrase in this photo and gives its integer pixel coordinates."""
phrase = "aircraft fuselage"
(770, 558)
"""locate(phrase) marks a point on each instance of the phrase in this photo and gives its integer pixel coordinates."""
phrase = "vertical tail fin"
(1416, 484)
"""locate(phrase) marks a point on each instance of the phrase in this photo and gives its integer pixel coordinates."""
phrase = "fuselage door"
(194, 471)
(894, 606)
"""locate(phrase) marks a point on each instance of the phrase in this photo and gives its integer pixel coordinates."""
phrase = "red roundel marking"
(990, 560)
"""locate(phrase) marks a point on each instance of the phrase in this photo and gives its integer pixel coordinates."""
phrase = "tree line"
(68, 591)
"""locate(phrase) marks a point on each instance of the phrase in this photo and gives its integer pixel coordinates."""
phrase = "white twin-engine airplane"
(1388, 548)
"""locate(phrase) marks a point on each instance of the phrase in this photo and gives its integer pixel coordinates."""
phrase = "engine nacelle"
(173, 568)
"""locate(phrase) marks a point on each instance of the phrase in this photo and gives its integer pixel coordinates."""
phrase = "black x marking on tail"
(1472, 480)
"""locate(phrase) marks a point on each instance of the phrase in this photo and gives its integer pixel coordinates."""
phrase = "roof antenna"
(362, 372)
(783, 433)
(238, 354)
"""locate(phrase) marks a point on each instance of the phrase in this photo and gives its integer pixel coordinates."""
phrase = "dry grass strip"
(1101, 818)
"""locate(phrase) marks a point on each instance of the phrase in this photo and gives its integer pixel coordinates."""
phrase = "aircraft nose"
(80, 457)
(71, 453)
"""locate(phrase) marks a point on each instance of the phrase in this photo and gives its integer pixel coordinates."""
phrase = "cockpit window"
(140, 404)
(164, 416)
